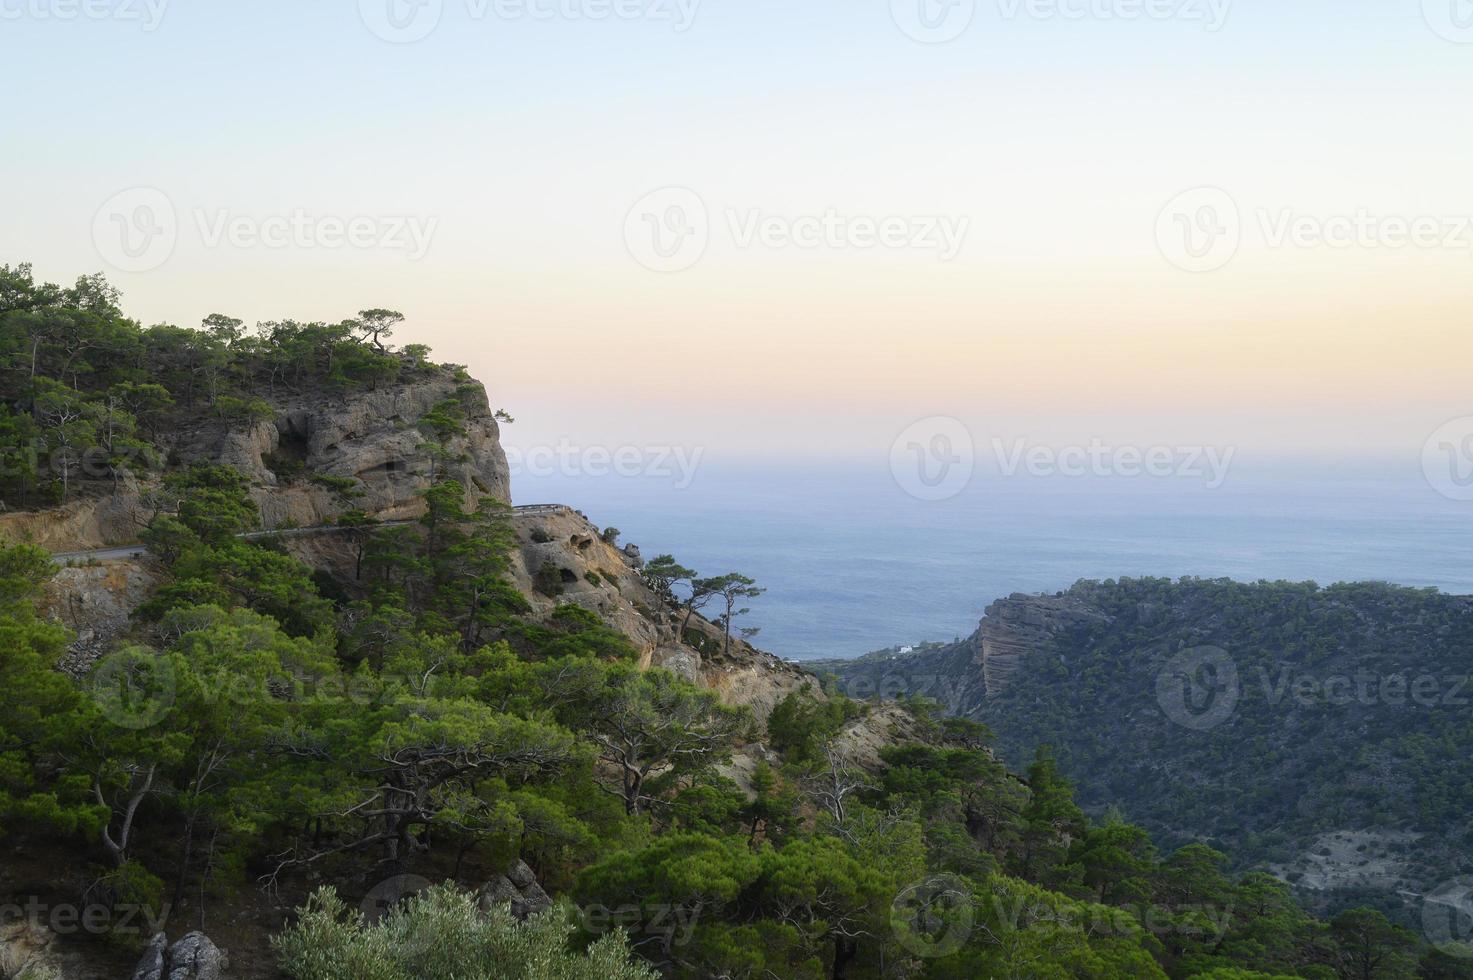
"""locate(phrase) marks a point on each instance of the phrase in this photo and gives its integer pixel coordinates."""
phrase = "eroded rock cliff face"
(376, 436)
(963, 675)
(385, 441)
(562, 557)
(1020, 625)
(80, 524)
(95, 601)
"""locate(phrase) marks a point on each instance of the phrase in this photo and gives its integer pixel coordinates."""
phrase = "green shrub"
(441, 935)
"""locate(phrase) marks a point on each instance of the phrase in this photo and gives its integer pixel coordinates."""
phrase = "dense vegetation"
(268, 728)
(86, 394)
(1343, 707)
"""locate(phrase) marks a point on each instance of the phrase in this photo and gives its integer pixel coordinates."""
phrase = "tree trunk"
(845, 951)
(185, 858)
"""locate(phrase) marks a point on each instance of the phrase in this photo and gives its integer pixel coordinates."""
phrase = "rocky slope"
(563, 558)
(378, 438)
(961, 676)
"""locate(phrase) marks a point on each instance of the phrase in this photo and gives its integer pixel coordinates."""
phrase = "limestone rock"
(96, 601)
(517, 888)
(154, 961)
(370, 435)
(563, 558)
(26, 947)
(92, 522)
(193, 957)
(1020, 624)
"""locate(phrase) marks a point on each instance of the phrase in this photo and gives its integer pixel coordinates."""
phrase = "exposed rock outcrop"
(27, 949)
(93, 522)
(562, 558)
(517, 888)
(95, 601)
(1019, 625)
(961, 676)
(375, 436)
(193, 957)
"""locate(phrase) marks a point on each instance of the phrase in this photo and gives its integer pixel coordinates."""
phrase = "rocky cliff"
(962, 676)
(381, 439)
(377, 437)
(563, 557)
(1015, 627)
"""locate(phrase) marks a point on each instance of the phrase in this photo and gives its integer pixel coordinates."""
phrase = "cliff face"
(562, 557)
(963, 676)
(377, 438)
(1020, 625)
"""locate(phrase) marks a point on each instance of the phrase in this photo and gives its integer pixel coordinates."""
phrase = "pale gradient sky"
(1060, 141)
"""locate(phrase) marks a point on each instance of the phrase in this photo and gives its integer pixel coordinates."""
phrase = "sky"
(766, 230)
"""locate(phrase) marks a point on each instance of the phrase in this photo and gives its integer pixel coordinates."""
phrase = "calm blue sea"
(853, 564)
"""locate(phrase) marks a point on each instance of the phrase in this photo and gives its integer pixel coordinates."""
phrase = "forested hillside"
(1275, 719)
(1320, 732)
(275, 753)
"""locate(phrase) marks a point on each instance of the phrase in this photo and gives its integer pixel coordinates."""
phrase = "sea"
(853, 563)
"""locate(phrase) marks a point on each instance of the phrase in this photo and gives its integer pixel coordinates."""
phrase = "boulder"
(517, 888)
(193, 957)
